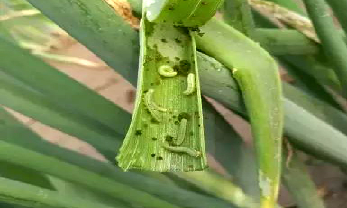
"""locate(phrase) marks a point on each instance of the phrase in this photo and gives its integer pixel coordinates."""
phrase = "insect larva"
(152, 103)
(185, 150)
(190, 84)
(167, 71)
(151, 106)
(181, 132)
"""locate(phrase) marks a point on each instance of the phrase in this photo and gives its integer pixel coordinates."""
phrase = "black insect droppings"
(201, 34)
(169, 138)
(178, 40)
(138, 132)
(183, 115)
(183, 67)
(153, 121)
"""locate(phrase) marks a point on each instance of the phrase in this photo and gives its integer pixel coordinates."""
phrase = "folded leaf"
(166, 133)
(261, 89)
(301, 130)
(223, 142)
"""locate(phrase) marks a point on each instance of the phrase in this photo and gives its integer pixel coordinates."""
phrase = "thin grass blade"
(25, 175)
(59, 88)
(21, 137)
(96, 25)
(33, 104)
(220, 187)
(300, 185)
(339, 7)
(334, 46)
(18, 193)
(237, 13)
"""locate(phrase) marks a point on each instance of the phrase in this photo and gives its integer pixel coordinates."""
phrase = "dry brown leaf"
(123, 8)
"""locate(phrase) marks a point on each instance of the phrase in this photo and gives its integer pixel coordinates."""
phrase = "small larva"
(190, 84)
(181, 132)
(167, 71)
(185, 150)
(152, 103)
(151, 106)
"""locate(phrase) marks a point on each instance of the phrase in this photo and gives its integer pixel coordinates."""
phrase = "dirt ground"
(331, 182)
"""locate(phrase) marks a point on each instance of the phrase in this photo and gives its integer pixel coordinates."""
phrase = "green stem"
(19, 193)
(28, 158)
(261, 89)
(316, 117)
(220, 187)
(14, 132)
(237, 13)
(298, 181)
(332, 41)
(285, 42)
(340, 8)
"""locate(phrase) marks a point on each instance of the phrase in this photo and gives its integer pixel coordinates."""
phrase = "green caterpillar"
(181, 132)
(167, 71)
(190, 84)
(184, 150)
(152, 107)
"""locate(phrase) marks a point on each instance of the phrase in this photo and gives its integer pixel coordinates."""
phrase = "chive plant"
(180, 52)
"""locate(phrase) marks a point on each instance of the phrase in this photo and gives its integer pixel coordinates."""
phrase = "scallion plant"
(182, 54)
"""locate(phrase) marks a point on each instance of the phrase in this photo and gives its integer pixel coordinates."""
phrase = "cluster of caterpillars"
(156, 111)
